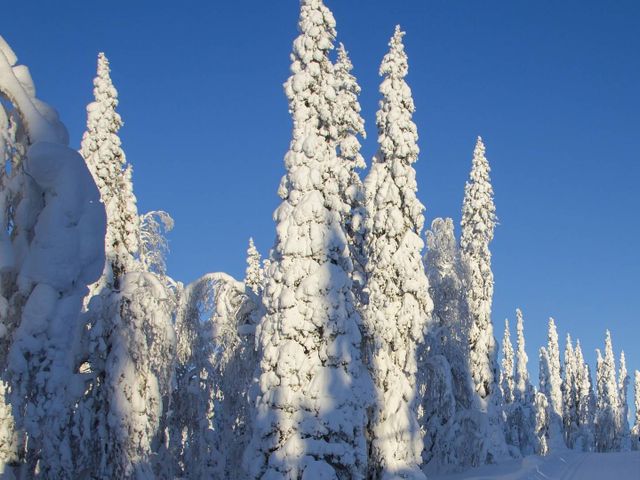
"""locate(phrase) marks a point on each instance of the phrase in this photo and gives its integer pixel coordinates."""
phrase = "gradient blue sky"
(551, 86)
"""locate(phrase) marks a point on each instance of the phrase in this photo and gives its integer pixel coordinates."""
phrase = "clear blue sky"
(551, 86)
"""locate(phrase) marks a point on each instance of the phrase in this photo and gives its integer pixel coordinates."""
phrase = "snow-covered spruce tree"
(129, 341)
(50, 250)
(348, 124)
(635, 431)
(522, 383)
(569, 395)
(623, 409)
(254, 276)
(507, 385)
(101, 149)
(397, 287)
(216, 362)
(584, 402)
(525, 416)
(506, 374)
(478, 224)
(607, 407)
(554, 388)
(310, 419)
(542, 403)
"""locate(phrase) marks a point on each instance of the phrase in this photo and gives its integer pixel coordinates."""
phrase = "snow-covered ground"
(566, 466)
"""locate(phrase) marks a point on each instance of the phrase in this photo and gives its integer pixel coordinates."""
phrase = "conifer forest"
(361, 346)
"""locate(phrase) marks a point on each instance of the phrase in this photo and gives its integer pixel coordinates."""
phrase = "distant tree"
(254, 276)
(585, 402)
(607, 408)
(543, 419)
(635, 431)
(506, 374)
(554, 388)
(507, 385)
(398, 290)
(569, 395)
(525, 415)
(623, 408)
(311, 412)
(522, 384)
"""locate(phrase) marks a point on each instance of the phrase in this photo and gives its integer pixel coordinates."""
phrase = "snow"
(568, 465)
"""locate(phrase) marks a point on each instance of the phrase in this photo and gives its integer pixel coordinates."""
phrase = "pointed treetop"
(349, 120)
(397, 133)
(395, 63)
(344, 62)
(553, 332)
(316, 22)
(104, 91)
(578, 353)
(478, 209)
(569, 342)
(253, 273)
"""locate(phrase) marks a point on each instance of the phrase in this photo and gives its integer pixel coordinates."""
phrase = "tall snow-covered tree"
(524, 395)
(50, 250)
(478, 224)
(506, 375)
(348, 124)
(607, 408)
(310, 419)
(129, 342)
(623, 408)
(522, 383)
(635, 431)
(399, 303)
(543, 418)
(101, 149)
(511, 410)
(585, 402)
(554, 388)
(254, 277)
(569, 394)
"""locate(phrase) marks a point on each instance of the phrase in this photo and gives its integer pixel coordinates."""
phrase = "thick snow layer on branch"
(54, 249)
(40, 120)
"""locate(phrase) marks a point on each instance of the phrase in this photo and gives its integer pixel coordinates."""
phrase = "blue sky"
(552, 87)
